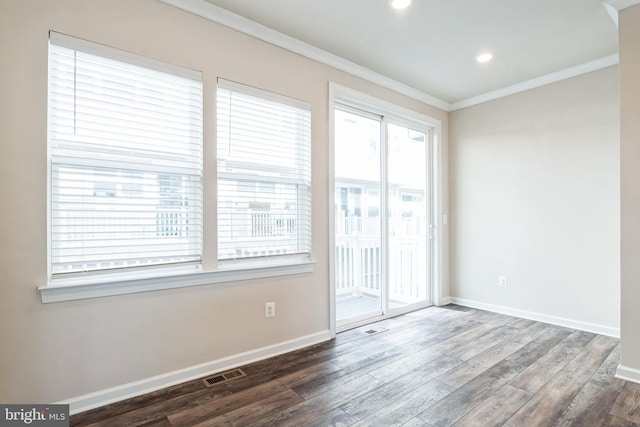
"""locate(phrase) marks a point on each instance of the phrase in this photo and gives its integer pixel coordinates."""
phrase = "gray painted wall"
(534, 196)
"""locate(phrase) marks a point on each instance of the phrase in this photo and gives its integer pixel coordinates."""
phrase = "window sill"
(76, 289)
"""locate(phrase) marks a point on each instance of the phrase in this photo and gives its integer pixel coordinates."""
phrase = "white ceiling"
(431, 46)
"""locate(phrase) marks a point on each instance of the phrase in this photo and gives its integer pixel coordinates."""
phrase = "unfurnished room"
(320, 213)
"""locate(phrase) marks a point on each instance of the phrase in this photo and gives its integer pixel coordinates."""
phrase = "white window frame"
(86, 139)
(171, 277)
(301, 168)
(343, 96)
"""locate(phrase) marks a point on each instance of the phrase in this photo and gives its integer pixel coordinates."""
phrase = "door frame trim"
(339, 94)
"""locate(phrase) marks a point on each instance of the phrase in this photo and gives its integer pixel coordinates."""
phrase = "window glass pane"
(125, 150)
(264, 201)
(358, 223)
(408, 221)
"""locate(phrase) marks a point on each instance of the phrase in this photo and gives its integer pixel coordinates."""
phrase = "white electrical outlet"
(502, 281)
(270, 309)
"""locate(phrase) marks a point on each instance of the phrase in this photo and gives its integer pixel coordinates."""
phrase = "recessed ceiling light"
(484, 57)
(399, 4)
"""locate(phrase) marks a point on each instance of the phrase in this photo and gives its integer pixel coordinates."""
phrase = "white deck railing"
(358, 263)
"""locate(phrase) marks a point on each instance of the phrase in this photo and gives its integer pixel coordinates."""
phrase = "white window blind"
(125, 160)
(264, 174)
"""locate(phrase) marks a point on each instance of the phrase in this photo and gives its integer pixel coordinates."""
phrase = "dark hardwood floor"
(440, 366)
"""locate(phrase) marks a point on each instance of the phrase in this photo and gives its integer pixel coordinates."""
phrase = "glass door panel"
(408, 216)
(358, 238)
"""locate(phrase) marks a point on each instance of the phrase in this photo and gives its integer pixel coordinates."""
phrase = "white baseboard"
(445, 301)
(137, 388)
(629, 374)
(545, 318)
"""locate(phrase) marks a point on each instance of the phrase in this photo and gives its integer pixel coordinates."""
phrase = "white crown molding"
(261, 32)
(612, 11)
(567, 73)
(236, 22)
(539, 317)
(614, 6)
(621, 4)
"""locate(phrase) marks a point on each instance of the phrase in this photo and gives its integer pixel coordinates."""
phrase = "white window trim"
(161, 278)
(345, 96)
(129, 283)
(239, 88)
(64, 40)
(60, 47)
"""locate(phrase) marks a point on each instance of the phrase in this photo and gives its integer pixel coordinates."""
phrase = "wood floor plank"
(162, 422)
(537, 348)
(272, 369)
(415, 422)
(312, 408)
(453, 330)
(404, 364)
(118, 408)
(191, 416)
(627, 405)
(537, 375)
(248, 415)
(334, 418)
(421, 322)
(398, 378)
(401, 411)
(494, 319)
(366, 353)
(484, 342)
(613, 421)
(443, 317)
(441, 340)
(329, 382)
(368, 403)
(592, 404)
(549, 402)
(496, 409)
(152, 412)
(454, 406)
(458, 403)
(523, 323)
(373, 363)
(439, 366)
(430, 349)
(306, 375)
(403, 343)
(471, 334)
(440, 315)
(479, 363)
(530, 332)
(605, 376)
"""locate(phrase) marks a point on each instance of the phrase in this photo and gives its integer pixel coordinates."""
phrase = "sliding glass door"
(358, 226)
(382, 216)
(407, 216)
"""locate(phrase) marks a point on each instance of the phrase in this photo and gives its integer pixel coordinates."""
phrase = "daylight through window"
(264, 174)
(125, 160)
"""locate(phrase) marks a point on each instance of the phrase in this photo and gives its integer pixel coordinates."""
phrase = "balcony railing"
(358, 263)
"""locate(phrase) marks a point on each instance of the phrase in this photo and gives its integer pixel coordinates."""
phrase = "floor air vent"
(373, 331)
(224, 377)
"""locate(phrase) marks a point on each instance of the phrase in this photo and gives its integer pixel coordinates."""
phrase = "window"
(264, 174)
(125, 161)
(125, 183)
